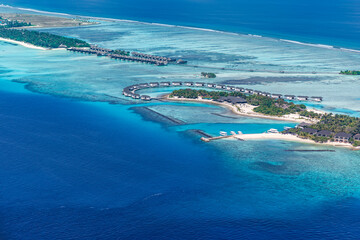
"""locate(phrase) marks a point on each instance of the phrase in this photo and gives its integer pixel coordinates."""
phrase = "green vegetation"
(41, 39)
(121, 52)
(264, 105)
(208, 75)
(5, 23)
(334, 123)
(350, 72)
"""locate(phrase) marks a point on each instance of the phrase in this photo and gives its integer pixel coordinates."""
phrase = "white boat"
(272, 130)
(240, 132)
(233, 133)
(223, 133)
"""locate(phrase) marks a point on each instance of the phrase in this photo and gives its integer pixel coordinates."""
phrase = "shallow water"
(74, 166)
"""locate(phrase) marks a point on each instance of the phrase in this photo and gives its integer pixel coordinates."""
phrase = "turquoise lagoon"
(76, 166)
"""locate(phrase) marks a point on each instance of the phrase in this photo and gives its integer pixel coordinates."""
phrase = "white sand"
(288, 137)
(247, 110)
(28, 45)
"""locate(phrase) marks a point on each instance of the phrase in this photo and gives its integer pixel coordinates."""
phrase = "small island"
(315, 127)
(350, 72)
(208, 75)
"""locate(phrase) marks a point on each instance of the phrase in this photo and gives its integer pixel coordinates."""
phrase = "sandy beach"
(289, 137)
(23, 44)
(246, 110)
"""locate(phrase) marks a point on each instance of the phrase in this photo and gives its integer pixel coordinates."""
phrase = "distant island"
(208, 75)
(350, 72)
(41, 39)
(6, 23)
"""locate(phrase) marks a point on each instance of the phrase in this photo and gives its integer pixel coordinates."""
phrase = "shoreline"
(250, 35)
(234, 110)
(291, 138)
(24, 44)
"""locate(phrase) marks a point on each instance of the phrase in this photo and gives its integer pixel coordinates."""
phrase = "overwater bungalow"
(276, 96)
(303, 98)
(176, 83)
(188, 84)
(145, 97)
(154, 84)
(342, 137)
(143, 85)
(165, 84)
(290, 97)
(199, 84)
(210, 85)
(136, 96)
(220, 86)
(317, 99)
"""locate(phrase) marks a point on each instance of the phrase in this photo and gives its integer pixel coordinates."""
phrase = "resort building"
(176, 83)
(145, 98)
(210, 85)
(357, 137)
(220, 86)
(317, 99)
(290, 97)
(303, 98)
(188, 84)
(276, 96)
(165, 84)
(154, 84)
(303, 125)
(232, 100)
(143, 85)
(310, 131)
(324, 133)
(342, 137)
(199, 84)
(136, 96)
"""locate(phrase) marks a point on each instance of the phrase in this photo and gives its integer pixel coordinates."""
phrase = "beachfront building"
(310, 131)
(357, 137)
(290, 97)
(342, 137)
(303, 125)
(303, 98)
(176, 83)
(232, 100)
(324, 133)
(165, 84)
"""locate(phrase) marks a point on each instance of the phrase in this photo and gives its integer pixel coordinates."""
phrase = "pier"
(130, 91)
(134, 56)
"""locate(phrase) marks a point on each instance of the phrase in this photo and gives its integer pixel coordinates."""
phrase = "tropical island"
(41, 39)
(208, 75)
(315, 127)
(350, 72)
(6, 23)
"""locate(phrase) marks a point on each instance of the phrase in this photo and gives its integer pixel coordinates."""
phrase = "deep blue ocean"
(331, 22)
(72, 169)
